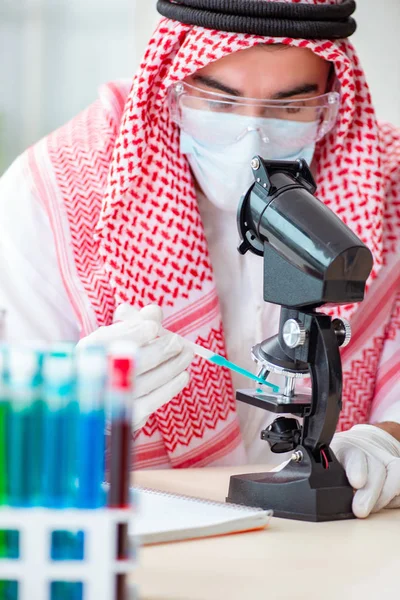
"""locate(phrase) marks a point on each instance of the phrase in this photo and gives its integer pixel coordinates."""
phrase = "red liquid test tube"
(120, 394)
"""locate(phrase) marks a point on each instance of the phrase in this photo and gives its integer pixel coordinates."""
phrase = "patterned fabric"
(119, 165)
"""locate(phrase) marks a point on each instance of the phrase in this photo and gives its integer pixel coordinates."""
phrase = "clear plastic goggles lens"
(221, 120)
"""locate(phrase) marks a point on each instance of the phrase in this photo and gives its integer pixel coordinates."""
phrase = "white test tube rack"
(34, 570)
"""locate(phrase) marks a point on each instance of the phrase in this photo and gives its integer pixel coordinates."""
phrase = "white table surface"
(343, 560)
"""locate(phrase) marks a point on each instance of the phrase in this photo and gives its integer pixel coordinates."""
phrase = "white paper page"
(163, 517)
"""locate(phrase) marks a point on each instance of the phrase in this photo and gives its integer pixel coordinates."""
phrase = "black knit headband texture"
(261, 17)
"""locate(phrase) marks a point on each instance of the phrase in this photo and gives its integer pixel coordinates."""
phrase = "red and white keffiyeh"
(128, 229)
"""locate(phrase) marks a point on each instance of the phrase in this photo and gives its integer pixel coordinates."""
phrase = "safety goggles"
(219, 119)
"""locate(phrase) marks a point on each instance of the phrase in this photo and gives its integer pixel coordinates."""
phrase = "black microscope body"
(311, 259)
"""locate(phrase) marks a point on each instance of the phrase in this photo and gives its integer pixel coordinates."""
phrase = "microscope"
(311, 259)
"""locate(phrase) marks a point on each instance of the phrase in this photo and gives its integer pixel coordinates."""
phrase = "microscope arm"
(326, 374)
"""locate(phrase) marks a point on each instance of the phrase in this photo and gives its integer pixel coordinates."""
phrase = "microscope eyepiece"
(311, 257)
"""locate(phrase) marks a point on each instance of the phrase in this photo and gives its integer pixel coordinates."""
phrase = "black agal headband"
(261, 17)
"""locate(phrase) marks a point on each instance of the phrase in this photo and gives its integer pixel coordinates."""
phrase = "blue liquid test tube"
(60, 430)
(22, 369)
(91, 381)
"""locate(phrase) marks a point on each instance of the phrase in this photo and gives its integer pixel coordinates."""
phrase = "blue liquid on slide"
(223, 362)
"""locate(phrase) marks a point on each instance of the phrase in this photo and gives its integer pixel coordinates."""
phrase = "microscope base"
(306, 492)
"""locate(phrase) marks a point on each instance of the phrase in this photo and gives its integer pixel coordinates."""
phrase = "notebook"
(161, 517)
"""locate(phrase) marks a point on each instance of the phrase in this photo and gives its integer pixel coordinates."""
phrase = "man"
(132, 205)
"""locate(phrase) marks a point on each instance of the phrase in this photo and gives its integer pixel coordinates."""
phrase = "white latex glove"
(161, 371)
(371, 459)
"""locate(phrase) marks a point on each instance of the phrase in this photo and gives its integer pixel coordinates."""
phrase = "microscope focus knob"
(294, 333)
(342, 330)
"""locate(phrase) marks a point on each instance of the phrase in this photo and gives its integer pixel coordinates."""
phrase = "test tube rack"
(62, 536)
(34, 570)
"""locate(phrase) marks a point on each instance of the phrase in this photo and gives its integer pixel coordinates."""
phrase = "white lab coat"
(31, 288)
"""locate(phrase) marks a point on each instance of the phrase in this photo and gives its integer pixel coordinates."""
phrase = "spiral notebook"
(160, 517)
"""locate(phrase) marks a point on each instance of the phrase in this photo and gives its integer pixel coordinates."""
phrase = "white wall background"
(55, 53)
(377, 41)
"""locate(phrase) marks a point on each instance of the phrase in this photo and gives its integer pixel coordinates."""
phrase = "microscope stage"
(276, 403)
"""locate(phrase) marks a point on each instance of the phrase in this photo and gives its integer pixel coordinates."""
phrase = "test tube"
(4, 416)
(91, 380)
(60, 430)
(36, 420)
(120, 391)
(120, 396)
(23, 367)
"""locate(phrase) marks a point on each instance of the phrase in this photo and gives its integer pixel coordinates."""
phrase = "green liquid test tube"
(4, 415)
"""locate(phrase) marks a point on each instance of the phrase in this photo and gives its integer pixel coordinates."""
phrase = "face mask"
(224, 173)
